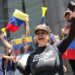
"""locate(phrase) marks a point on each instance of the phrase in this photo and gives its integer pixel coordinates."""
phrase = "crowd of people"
(47, 58)
(10, 67)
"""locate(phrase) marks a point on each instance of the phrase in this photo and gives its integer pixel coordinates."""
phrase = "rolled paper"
(6, 37)
(57, 37)
(44, 9)
(4, 31)
(42, 20)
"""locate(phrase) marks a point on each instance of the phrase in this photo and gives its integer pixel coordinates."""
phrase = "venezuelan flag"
(16, 20)
(70, 52)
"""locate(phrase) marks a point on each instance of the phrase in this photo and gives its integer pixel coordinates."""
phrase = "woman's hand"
(2, 36)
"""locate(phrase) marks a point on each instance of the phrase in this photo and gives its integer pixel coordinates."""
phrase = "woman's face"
(42, 38)
(68, 17)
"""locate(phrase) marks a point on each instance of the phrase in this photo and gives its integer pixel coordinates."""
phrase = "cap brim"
(39, 30)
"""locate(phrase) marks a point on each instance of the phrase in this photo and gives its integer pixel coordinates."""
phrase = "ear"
(48, 37)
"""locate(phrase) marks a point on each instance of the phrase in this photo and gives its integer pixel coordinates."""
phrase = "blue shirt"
(1, 66)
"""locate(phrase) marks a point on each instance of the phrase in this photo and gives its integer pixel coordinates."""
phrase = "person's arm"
(62, 32)
(62, 46)
(6, 57)
(25, 69)
(27, 27)
(5, 41)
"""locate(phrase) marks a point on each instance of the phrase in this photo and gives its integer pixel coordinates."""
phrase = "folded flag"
(70, 52)
(16, 20)
(4, 31)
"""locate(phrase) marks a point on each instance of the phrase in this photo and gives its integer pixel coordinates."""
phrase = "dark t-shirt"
(45, 61)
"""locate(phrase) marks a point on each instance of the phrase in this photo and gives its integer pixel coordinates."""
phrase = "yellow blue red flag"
(70, 52)
(16, 20)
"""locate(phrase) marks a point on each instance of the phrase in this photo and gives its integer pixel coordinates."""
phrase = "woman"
(47, 59)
